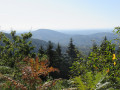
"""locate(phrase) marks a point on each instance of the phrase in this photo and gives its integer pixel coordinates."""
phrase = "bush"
(6, 70)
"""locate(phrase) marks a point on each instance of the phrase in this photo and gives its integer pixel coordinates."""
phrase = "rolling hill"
(79, 40)
(49, 35)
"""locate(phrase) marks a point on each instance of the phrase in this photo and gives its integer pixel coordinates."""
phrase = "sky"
(58, 14)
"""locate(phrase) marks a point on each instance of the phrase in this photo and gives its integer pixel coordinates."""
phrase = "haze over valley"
(79, 38)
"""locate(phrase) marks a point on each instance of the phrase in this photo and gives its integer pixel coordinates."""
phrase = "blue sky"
(59, 14)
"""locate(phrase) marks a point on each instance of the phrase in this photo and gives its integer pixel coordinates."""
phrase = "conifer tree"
(94, 48)
(58, 50)
(104, 45)
(54, 59)
(72, 52)
(50, 53)
(53, 55)
(41, 51)
(58, 56)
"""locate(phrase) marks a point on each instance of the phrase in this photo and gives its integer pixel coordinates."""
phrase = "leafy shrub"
(6, 70)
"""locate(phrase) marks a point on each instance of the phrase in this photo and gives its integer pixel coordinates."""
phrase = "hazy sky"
(59, 14)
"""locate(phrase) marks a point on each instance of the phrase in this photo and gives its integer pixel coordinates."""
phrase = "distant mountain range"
(83, 42)
(79, 40)
(85, 31)
(71, 31)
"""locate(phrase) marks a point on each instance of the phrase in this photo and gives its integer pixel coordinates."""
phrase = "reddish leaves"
(33, 69)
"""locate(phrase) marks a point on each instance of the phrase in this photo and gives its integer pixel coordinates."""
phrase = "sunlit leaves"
(15, 48)
(89, 81)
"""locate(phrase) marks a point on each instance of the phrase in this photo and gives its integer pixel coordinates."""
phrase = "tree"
(58, 50)
(15, 48)
(78, 68)
(94, 48)
(101, 58)
(50, 53)
(72, 52)
(58, 56)
(106, 47)
(41, 51)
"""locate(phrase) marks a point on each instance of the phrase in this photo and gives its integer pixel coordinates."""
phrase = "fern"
(90, 81)
(80, 84)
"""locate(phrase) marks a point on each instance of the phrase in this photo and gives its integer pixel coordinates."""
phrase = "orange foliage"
(96, 67)
(108, 70)
(31, 73)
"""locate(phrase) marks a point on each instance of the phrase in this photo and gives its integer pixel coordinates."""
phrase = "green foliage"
(6, 70)
(58, 86)
(61, 84)
(87, 73)
(72, 53)
(78, 68)
(107, 47)
(7, 86)
(51, 54)
(89, 81)
(57, 60)
(15, 49)
(58, 50)
(101, 58)
(41, 52)
(95, 47)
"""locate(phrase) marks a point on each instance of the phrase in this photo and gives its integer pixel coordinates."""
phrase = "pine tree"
(94, 48)
(41, 51)
(58, 50)
(104, 45)
(72, 52)
(54, 59)
(50, 53)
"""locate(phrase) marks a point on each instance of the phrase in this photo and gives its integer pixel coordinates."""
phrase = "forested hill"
(49, 35)
(86, 40)
(79, 40)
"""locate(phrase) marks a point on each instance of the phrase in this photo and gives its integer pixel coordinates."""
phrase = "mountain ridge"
(79, 40)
